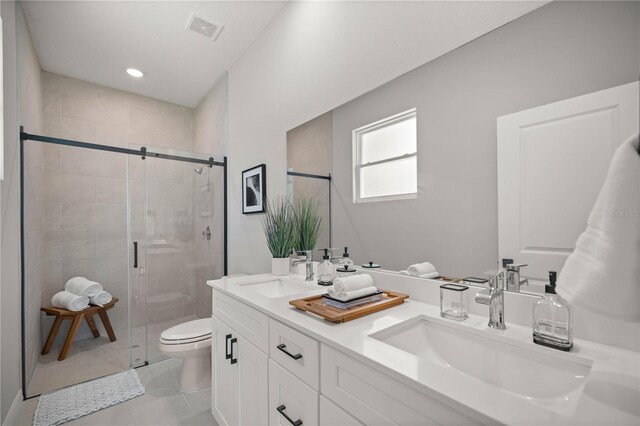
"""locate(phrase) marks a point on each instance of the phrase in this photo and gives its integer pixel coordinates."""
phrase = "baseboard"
(10, 419)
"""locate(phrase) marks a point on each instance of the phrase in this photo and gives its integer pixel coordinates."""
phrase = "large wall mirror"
(496, 150)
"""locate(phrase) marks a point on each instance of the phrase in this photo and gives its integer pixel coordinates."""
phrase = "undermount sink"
(275, 289)
(551, 378)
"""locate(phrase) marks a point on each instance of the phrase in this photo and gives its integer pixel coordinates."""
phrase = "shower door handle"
(135, 254)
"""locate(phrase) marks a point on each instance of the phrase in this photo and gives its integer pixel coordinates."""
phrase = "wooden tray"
(315, 305)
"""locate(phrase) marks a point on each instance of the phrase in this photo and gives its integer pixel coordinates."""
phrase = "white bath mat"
(80, 400)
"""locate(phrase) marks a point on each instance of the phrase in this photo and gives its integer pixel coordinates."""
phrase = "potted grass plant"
(279, 231)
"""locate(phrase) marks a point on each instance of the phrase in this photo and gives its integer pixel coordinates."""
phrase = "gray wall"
(562, 50)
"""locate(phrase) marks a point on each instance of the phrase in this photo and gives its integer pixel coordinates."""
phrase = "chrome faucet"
(513, 277)
(308, 260)
(494, 297)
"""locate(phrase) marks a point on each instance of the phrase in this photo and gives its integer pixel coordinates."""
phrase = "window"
(385, 159)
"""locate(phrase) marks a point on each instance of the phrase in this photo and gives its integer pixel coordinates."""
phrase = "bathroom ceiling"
(98, 40)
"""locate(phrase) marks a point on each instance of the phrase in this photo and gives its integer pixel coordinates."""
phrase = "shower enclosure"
(147, 223)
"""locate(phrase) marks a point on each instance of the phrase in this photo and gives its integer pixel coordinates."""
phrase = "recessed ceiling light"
(134, 72)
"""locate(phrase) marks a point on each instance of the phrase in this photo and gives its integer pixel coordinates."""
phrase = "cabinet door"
(291, 401)
(332, 415)
(225, 385)
(253, 374)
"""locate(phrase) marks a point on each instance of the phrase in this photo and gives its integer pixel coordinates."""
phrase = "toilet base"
(196, 373)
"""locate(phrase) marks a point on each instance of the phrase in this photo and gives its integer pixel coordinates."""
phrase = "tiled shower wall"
(85, 196)
(30, 95)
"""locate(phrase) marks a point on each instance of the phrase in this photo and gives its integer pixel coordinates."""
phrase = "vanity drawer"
(376, 399)
(290, 397)
(250, 323)
(298, 353)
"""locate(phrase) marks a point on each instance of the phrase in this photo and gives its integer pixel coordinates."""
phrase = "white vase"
(280, 266)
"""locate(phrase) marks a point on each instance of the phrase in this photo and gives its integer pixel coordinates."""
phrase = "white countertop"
(611, 394)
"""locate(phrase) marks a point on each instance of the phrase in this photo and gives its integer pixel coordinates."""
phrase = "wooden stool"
(76, 318)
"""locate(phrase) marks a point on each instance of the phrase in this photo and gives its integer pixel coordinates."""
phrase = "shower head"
(199, 170)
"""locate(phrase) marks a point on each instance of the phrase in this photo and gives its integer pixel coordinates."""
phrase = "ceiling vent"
(203, 26)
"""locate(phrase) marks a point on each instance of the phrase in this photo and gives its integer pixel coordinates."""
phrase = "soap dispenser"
(345, 259)
(326, 270)
(552, 322)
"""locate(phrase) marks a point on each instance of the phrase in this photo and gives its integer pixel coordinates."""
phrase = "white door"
(552, 161)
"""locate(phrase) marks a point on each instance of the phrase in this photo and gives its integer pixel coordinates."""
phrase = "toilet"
(190, 341)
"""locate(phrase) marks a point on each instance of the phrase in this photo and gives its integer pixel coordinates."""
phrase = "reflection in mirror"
(515, 131)
(309, 169)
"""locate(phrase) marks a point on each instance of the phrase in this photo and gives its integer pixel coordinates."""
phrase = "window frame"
(357, 135)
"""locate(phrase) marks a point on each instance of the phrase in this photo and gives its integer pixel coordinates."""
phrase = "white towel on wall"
(101, 298)
(603, 272)
(421, 269)
(348, 295)
(69, 301)
(354, 282)
(83, 287)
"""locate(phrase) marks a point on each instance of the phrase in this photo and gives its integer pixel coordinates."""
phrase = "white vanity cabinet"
(267, 372)
(239, 379)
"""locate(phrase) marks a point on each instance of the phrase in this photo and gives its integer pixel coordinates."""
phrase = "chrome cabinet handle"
(283, 347)
(293, 422)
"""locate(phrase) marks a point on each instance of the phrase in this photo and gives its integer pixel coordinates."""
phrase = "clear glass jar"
(454, 302)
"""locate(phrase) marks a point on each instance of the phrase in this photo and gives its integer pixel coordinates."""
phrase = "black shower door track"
(143, 153)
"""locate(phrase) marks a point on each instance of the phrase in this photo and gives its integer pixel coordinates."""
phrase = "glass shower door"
(181, 247)
(137, 243)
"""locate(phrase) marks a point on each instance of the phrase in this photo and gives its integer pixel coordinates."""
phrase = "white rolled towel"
(348, 295)
(101, 298)
(69, 301)
(433, 274)
(421, 269)
(354, 282)
(83, 287)
(403, 272)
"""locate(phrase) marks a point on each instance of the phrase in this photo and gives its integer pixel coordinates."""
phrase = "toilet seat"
(189, 332)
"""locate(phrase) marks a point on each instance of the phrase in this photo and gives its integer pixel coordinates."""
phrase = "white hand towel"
(101, 298)
(603, 272)
(421, 269)
(354, 282)
(433, 274)
(83, 287)
(348, 295)
(69, 301)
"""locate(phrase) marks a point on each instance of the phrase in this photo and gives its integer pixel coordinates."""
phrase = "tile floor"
(92, 358)
(162, 404)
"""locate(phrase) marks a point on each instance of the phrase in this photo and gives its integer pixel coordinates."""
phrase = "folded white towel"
(83, 287)
(433, 274)
(421, 269)
(603, 272)
(354, 282)
(101, 298)
(69, 301)
(348, 295)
